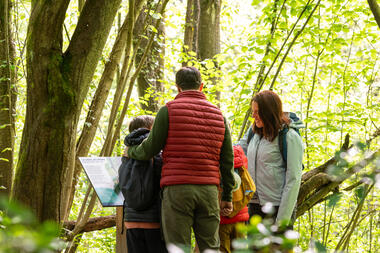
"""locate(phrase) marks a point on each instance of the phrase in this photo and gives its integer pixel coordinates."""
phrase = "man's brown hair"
(188, 78)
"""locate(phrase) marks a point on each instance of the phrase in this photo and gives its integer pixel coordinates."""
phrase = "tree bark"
(98, 101)
(114, 132)
(93, 224)
(149, 79)
(57, 84)
(317, 187)
(7, 99)
(209, 36)
(190, 39)
(375, 8)
(209, 29)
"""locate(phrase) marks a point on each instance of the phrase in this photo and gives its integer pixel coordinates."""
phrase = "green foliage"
(345, 99)
(20, 231)
(263, 236)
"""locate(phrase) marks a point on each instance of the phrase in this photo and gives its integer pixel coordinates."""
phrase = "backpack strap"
(283, 145)
(250, 134)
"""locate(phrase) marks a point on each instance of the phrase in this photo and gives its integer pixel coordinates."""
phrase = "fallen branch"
(93, 224)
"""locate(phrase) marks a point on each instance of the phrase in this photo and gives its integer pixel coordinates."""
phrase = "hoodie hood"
(136, 136)
(295, 122)
(240, 159)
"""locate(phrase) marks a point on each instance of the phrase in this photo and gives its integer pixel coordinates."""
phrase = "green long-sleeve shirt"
(157, 140)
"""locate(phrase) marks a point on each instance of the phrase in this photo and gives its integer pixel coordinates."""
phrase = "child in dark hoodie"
(140, 184)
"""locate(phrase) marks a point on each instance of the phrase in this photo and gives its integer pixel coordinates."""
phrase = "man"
(197, 151)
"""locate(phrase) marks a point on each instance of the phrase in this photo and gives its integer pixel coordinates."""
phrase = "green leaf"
(334, 199)
(210, 65)
(360, 192)
(153, 29)
(255, 2)
(320, 247)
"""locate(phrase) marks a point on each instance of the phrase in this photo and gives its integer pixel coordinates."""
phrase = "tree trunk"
(57, 84)
(190, 39)
(209, 29)
(98, 101)
(209, 37)
(7, 99)
(375, 8)
(149, 80)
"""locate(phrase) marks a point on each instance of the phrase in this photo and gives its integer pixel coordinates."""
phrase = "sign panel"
(103, 175)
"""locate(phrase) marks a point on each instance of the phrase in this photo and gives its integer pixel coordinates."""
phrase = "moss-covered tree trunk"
(190, 38)
(209, 36)
(57, 84)
(7, 99)
(209, 29)
(99, 99)
(151, 74)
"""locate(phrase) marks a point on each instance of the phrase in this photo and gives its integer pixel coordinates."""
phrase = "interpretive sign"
(103, 175)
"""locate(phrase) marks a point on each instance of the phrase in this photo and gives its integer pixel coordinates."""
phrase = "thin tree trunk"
(283, 59)
(308, 107)
(284, 43)
(292, 43)
(375, 8)
(121, 84)
(189, 29)
(149, 85)
(196, 18)
(80, 4)
(57, 84)
(345, 88)
(209, 38)
(106, 151)
(353, 222)
(113, 132)
(259, 79)
(7, 99)
(98, 101)
(190, 40)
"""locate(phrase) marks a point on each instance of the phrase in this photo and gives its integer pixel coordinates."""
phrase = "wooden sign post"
(121, 238)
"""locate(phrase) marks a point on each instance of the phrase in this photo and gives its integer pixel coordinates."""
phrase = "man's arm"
(156, 139)
(227, 165)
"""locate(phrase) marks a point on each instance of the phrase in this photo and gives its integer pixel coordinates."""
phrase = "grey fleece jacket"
(274, 183)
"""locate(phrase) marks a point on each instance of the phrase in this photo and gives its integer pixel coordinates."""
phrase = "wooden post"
(121, 239)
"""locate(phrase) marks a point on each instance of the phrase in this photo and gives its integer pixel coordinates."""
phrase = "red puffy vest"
(195, 137)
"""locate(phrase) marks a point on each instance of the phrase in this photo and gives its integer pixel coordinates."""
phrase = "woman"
(277, 182)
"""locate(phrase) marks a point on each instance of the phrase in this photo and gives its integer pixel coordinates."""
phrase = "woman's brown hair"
(271, 114)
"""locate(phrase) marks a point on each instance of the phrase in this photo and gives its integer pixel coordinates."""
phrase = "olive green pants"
(191, 206)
